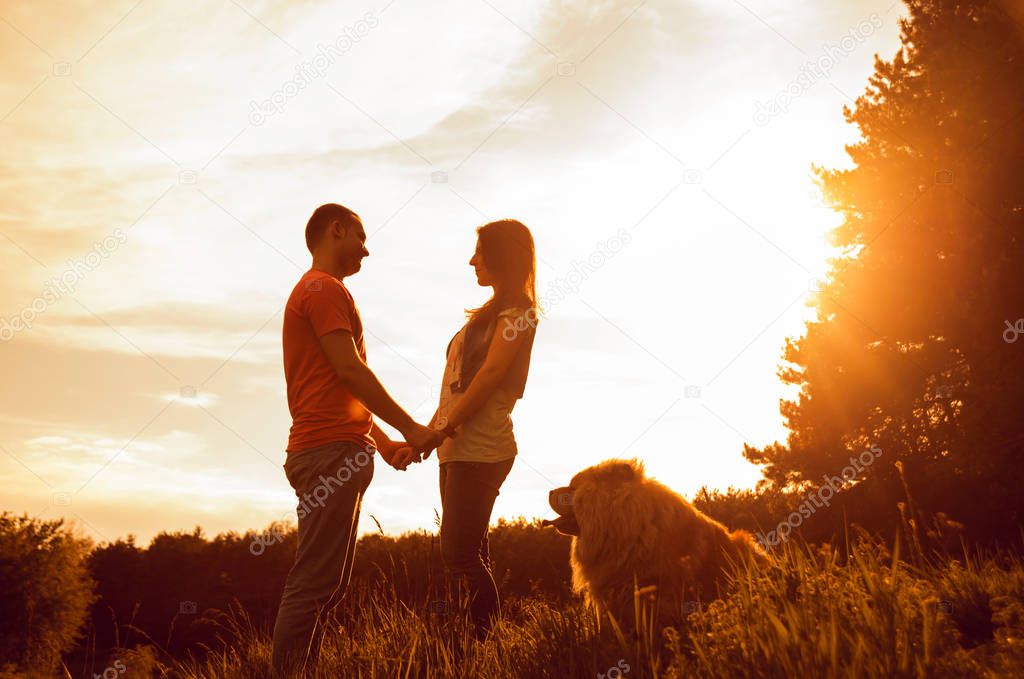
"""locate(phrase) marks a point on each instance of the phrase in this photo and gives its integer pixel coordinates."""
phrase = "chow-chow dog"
(636, 541)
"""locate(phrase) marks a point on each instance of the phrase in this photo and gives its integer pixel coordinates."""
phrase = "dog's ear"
(626, 470)
(622, 472)
(610, 470)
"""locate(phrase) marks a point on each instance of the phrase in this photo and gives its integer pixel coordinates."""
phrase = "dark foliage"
(45, 591)
(912, 349)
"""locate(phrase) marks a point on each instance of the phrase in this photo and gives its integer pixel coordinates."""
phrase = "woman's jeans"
(468, 491)
(329, 481)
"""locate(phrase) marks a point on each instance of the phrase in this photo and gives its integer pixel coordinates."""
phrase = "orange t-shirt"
(323, 409)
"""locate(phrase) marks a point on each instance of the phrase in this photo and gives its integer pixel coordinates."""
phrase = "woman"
(488, 361)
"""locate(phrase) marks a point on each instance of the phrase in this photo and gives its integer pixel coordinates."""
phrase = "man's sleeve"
(329, 308)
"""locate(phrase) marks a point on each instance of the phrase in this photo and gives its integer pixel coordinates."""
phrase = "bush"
(45, 591)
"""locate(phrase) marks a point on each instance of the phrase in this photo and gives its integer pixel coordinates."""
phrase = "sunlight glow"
(181, 133)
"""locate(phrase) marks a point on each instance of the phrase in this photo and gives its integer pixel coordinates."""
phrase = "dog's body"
(633, 534)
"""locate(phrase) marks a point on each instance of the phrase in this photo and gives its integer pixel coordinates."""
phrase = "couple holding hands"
(333, 397)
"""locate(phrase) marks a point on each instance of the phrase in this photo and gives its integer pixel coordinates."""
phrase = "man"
(332, 396)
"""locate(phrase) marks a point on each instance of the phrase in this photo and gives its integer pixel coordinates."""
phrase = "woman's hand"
(398, 454)
(403, 456)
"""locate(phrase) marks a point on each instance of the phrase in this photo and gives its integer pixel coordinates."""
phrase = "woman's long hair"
(509, 255)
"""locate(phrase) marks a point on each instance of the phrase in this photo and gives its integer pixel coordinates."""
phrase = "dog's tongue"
(564, 524)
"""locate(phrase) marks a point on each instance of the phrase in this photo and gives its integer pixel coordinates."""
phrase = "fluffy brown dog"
(632, 533)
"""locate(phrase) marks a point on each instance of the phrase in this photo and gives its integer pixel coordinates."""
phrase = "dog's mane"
(636, 529)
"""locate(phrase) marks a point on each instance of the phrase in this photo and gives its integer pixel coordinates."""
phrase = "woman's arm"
(505, 344)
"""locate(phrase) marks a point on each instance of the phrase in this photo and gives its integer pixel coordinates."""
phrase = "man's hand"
(423, 439)
(398, 454)
(387, 449)
(403, 456)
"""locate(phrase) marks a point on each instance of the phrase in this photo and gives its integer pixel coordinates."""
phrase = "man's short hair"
(324, 215)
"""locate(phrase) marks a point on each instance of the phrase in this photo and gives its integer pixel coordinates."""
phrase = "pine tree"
(914, 347)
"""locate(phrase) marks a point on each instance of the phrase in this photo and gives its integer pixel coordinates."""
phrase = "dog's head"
(596, 489)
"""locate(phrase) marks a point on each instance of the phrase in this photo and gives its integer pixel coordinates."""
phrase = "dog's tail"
(747, 548)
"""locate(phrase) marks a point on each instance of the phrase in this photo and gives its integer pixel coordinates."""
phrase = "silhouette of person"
(332, 396)
(488, 361)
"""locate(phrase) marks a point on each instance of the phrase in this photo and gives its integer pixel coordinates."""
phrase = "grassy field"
(815, 614)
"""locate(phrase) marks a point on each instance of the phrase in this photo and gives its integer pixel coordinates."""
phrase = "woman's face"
(483, 276)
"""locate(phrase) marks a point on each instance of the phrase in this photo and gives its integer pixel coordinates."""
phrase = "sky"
(161, 160)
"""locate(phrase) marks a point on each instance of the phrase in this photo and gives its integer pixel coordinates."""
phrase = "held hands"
(419, 442)
(402, 456)
(423, 439)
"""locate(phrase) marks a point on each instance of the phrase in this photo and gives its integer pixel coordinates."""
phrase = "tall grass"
(816, 613)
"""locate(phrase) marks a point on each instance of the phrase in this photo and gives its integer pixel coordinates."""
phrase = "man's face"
(351, 246)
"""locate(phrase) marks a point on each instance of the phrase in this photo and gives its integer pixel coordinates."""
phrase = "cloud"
(191, 298)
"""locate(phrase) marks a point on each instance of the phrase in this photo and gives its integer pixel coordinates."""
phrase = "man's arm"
(385, 446)
(341, 352)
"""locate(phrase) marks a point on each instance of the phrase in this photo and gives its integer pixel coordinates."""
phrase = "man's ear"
(336, 228)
